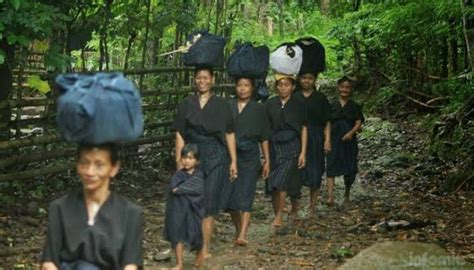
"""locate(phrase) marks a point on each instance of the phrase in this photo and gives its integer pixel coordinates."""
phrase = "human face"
(285, 87)
(244, 89)
(95, 169)
(307, 81)
(189, 162)
(203, 81)
(345, 89)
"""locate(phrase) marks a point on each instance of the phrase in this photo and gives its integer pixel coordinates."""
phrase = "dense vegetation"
(410, 54)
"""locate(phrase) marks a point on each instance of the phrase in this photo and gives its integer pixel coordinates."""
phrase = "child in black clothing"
(185, 207)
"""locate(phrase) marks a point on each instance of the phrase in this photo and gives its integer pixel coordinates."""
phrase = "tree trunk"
(325, 4)
(6, 86)
(355, 5)
(155, 49)
(445, 62)
(209, 12)
(453, 48)
(219, 10)
(468, 27)
(145, 40)
(83, 59)
(357, 56)
(281, 23)
(106, 50)
(131, 39)
(101, 53)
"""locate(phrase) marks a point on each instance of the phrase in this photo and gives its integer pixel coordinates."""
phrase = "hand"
(48, 266)
(233, 171)
(179, 165)
(175, 189)
(347, 137)
(327, 146)
(301, 161)
(265, 170)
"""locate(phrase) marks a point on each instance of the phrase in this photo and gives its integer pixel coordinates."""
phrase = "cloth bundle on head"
(286, 59)
(206, 50)
(248, 61)
(314, 56)
(99, 108)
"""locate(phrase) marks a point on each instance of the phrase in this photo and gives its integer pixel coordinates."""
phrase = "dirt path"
(398, 181)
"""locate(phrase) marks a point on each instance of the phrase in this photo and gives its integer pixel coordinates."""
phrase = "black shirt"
(113, 241)
(351, 111)
(292, 115)
(251, 123)
(317, 108)
(215, 119)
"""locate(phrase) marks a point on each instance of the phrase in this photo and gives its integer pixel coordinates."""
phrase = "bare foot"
(177, 267)
(199, 261)
(330, 202)
(241, 242)
(236, 237)
(277, 222)
(347, 201)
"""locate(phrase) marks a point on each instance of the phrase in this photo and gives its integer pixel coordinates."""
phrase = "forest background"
(412, 59)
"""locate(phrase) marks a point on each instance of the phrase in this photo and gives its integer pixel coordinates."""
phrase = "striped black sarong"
(214, 163)
(285, 175)
(315, 164)
(242, 192)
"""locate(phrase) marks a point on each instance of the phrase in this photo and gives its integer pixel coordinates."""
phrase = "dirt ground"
(398, 196)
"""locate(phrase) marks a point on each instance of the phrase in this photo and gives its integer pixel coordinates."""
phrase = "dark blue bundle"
(206, 51)
(249, 61)
(99, 108)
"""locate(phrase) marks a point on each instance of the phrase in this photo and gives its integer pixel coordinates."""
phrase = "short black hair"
(201, 68)
(315, 74)
(112, 148)
(252, 81)
(190, 148)
(345, 79)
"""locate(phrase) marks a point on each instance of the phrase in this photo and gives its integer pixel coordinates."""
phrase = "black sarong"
(285, 175)
(185, 210)
(242, 191)
(342, 160)
(214, 163)
(314, 170)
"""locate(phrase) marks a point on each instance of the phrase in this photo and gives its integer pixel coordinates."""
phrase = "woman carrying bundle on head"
(206, 120)
(96, 228)
(346, 121)
(247, 64)
(252, 130)
(287, 146)
(319, 140)
(318, 114)
(289, 134)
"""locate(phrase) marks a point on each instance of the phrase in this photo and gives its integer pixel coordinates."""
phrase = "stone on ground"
(404, 255)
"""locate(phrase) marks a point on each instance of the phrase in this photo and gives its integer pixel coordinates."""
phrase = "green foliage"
(54, 59)
(342, 252)
(35, 82)
(397, 36)
(24, 20)
(458, 91)
(2, 57)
